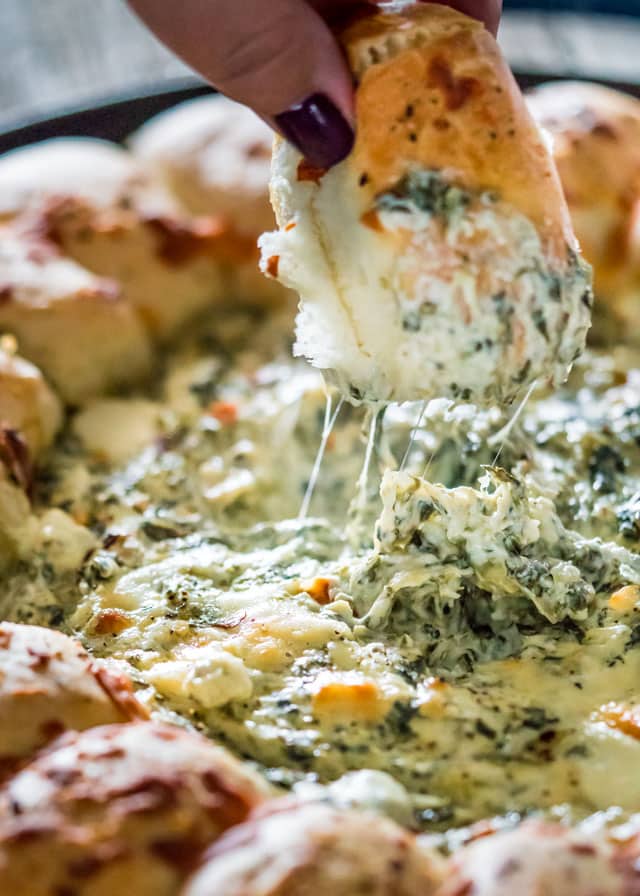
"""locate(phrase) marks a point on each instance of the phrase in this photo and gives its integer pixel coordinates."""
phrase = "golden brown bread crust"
(106, 212)
(167, 266)
(448, 218)
(541, 859)
(48, 684)
(596, 143)
(118, 809)
(30, 415)
(289, 849)
(434, 91)
(60, 313)
(215, 155)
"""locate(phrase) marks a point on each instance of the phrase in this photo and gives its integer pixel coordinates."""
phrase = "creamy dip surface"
(463, 626)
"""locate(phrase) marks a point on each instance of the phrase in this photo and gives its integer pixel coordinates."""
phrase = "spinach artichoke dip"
(409, 663)
(479, 645)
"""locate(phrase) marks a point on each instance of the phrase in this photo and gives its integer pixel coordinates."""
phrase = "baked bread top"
(293, 849)
(537, 858)
(119, 809)
(48, 684)
(435, 91)
(29, 409)
(596, 145)
(214, 155)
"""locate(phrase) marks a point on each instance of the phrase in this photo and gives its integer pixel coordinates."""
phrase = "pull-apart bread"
(596, 144)
(30, 417)
(76, 326)
(215, 155)
(48, 684)
(30, 412)
(101, 208)
(289, 849)
(543, 859)
(119, 809)
(439, 258)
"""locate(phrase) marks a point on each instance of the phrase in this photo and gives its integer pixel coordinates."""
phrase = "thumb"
(277, 56)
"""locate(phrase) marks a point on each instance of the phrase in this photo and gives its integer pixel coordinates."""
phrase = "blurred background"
(61, 54)
(621, 7)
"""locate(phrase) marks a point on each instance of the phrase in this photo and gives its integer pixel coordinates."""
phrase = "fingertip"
(493, 16)
(279, 58)
(317, 127)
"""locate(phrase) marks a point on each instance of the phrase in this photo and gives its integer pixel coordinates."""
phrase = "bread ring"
(438, 259)
(596, 143)
(289, 849)
(106, 213)
(215, 156)
(48, 684)
(118, 809)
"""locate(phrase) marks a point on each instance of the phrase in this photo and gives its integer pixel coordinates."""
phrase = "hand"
(280, 58)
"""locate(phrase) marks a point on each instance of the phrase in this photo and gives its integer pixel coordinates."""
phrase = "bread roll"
(95, 172)
(438, 259)
(535, 859)
(289, 849)
(215, 156)
(30, 415)
(596, 143)
(118, 809)
(48, 684)
(75, 326)
(106, 213)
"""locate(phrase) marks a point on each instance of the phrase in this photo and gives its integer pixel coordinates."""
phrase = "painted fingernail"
(318, 129)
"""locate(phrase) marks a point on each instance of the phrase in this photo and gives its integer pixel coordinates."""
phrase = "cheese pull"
(439, 258)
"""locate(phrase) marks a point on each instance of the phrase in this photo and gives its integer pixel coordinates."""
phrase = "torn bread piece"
(215, 156)
(77, 327)
(48, 684)
(104, 211)
(596, 144)
(439, 258)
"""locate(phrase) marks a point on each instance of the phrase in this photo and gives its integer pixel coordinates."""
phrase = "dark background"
(628, 7)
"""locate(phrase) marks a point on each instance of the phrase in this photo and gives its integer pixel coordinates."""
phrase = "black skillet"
(116, 118)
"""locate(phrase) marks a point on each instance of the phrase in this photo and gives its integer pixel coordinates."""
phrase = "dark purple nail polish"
(318, 129)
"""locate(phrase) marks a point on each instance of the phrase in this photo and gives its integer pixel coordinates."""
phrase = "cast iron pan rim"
(112, 117)
(115, 117)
